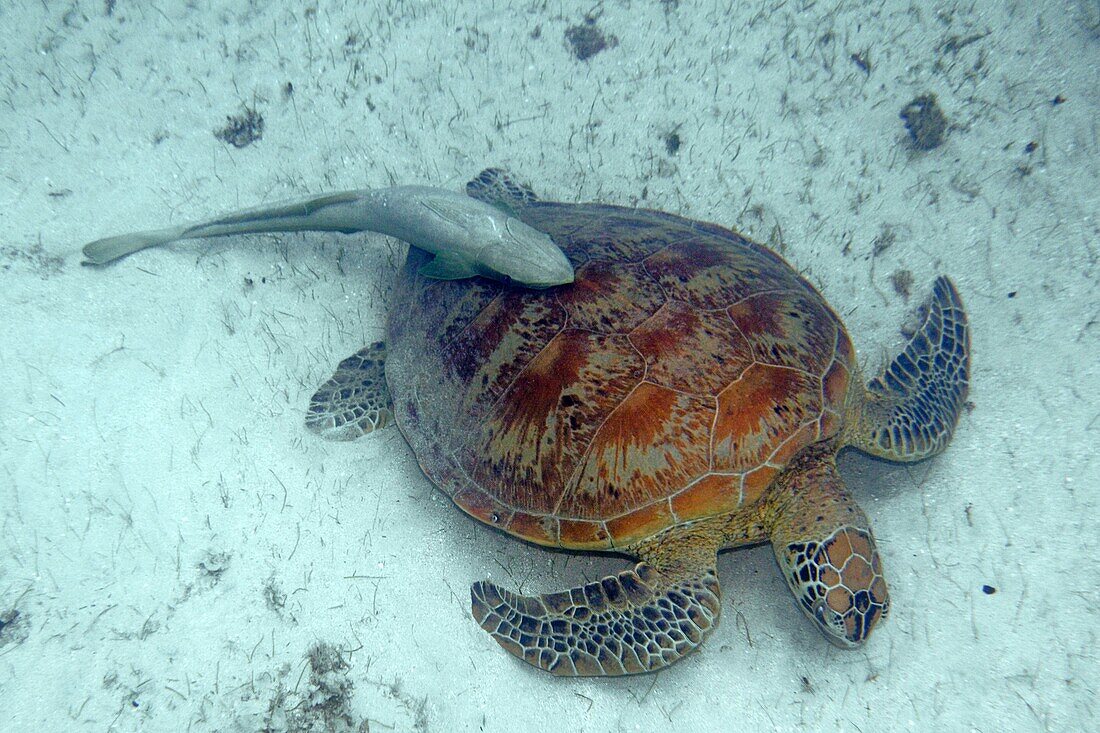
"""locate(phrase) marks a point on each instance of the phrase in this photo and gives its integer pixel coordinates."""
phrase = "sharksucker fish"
(468, 237)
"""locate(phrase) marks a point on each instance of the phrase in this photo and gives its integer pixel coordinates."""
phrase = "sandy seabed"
(178, 553)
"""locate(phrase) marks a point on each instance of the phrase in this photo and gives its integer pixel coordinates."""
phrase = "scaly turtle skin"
(687, 394)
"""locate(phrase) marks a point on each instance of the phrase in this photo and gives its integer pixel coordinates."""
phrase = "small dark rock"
(862, 60)
(9, 617)
(14, 627)
(673, 143)
(925, 122)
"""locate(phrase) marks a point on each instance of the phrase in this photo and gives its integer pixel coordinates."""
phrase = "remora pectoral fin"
(448, 268)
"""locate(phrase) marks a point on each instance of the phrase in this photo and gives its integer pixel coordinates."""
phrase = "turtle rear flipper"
(637, 621)
(354, 401)
(909, 411)
(498, 188)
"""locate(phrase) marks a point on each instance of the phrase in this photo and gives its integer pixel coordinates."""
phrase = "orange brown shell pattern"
(672, 381)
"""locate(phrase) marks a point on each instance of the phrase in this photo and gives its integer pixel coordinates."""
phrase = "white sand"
(174, 542)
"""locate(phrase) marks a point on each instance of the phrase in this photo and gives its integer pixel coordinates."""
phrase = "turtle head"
(838, 583)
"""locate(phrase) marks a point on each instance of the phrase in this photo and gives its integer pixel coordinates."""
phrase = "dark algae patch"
(243, 129)
(33, 258)
(586, 40)
(902, 281)
(925, 122)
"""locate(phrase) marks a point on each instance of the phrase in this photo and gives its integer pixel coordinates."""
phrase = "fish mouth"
(554, 268)
(537, 273)
(532, 284)
(561, 277)
(527, 256)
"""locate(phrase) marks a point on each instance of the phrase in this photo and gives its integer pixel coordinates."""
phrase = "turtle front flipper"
(355, 400)
(640, 620)
(825, 548)
(910, 410)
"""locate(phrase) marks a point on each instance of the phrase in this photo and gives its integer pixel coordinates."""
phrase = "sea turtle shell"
(671, 382)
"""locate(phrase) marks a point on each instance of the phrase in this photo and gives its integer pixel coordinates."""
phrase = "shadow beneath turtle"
(871, 479)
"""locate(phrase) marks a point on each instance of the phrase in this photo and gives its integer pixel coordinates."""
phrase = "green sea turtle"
(686, 394)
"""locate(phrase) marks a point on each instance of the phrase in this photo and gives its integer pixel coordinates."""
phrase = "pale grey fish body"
(468, 237)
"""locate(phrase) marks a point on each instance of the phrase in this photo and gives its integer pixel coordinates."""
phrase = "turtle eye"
(830, 622)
